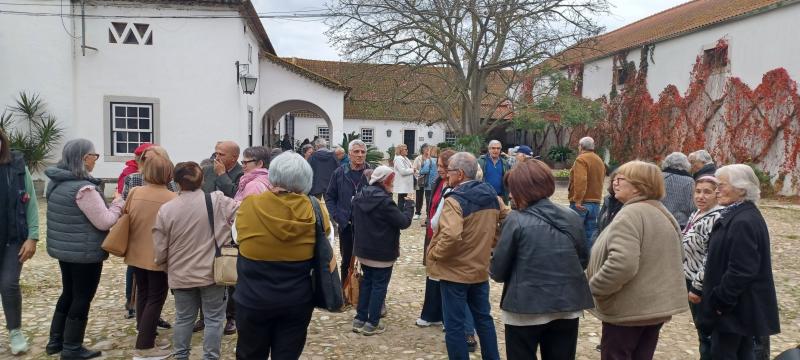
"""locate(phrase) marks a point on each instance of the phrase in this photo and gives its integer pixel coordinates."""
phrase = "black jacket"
(340, 192)
(377, 223)
(540, 257)
(707, 169)
(738, 278)
(324, 163)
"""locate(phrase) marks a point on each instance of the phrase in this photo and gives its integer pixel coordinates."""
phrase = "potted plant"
(559, 156)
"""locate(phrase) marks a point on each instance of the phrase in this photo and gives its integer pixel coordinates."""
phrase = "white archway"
(272, 117)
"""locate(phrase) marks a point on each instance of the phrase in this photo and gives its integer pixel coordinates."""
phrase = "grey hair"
(701, 155)
(305, 148)
(676, 160)
(495, 142)
(586, 143)
(465, 162)
(320, 143)
(258, 153)
(275, 152)
(337, 148)
(742, 177)
(290, 171)
(356, 142)
(72, 157)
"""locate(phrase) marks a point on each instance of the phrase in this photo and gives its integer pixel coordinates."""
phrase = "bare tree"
(460, 50)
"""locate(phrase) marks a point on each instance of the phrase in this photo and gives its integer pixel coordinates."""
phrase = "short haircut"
(338, 148)
(398, 147)
(275, 152)
(157, 170)
(423, 147)
(446, 155)
(743, 178)
(529, 182)
(465, 162)
(291, 172)
(320, 143)
(158, 150)
(72, 157)
(258, 153)
(230, 145)
(702, 156)
(495, 142)
(434, 151)
(676, 160)
(354, 143)
(645, 177)
(586, 143)
(305, 148)
(188, 175)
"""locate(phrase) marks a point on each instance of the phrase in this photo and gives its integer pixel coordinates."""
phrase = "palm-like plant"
(374, 156)
(43, 133)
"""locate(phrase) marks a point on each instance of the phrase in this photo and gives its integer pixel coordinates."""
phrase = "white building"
(124, 72)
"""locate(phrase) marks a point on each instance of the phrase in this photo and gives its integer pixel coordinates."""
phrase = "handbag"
(352, 284)
(116, 242)
(224, 256)
(326, 284)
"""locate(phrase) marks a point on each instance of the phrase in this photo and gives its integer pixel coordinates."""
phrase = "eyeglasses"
(245, 162)
(93, 155)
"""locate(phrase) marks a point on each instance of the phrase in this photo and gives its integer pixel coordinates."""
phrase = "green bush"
(43, 133)
(559, 153)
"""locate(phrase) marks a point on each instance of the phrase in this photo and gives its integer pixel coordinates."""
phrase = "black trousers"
(726, 346)
(629, 342)
(277, 334)
(420, 199)
(401, 201)
(151, 292)
(79, 282)
(345, 249)
(558, 340)
(432, 305)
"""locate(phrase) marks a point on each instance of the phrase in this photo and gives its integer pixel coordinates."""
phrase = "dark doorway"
(409, 137)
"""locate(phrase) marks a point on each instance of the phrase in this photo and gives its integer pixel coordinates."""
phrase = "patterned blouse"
(695, 246)
(136, 179)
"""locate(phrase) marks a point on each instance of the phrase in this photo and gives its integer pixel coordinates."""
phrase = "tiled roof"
(677, 21)
(393, 92)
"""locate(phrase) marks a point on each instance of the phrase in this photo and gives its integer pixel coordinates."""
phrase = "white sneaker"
(163, 344)
(423, 323)
(151, 354)
(416, 216)
(19, 343)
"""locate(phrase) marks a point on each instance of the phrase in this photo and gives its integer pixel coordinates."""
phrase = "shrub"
(43, 133)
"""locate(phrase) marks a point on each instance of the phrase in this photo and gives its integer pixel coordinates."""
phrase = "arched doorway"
(273, 128)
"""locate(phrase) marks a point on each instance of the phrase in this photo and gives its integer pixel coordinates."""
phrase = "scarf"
(728, 209)
(676, 172)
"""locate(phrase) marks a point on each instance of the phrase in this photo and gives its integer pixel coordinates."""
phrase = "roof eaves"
(250, 15)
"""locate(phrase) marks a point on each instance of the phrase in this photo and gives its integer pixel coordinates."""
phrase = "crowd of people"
(664, 240)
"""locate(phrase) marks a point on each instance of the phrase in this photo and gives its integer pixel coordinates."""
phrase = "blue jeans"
(372, 293)
(589, 217)
(456, 298)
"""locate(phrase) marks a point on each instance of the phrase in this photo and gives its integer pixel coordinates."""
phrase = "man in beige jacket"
(586, 186)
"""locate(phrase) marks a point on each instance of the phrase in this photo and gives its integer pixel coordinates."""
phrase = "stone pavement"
(329, 335)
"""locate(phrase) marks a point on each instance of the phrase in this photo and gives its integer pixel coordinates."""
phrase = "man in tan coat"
(586, 186)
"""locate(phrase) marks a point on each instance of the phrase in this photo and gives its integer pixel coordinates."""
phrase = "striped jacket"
(695, 246)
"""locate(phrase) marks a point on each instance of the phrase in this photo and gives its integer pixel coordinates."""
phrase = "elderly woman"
(276, 236)
(635, 271)
(428, 170)
(307, 150)
(182, 242)
(679, 187)
(739, 300)
(540, 257)
(78, 221)
(151, 281)
(404, 174)
(377, 221)
(21, 232)
(695, 247)
(256, 176)
(136, 179)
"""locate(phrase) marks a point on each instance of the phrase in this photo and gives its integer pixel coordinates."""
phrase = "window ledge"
(114, 158)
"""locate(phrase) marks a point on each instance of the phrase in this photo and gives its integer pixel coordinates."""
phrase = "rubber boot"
(56, 333)
(73, 341)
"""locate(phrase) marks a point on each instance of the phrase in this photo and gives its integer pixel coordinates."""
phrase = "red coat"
(130, 167)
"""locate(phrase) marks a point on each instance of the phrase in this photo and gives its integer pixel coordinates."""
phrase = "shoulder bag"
(325, 279)
(116, 242)
(225, 256)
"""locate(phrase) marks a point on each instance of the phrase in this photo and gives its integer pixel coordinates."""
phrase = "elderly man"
(345, 183)
(494, 166)
(524, 152)
(226, 171)
(702, 164)
(586, 186)
(323, 163)
(465, 232)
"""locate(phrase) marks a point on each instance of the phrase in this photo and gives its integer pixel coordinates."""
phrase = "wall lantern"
(430, 134)
(243, 77)
(389, 133)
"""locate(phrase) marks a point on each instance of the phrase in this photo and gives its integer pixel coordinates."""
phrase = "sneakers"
(416, 216)
(164, 324)
(423, 323)
(358, 325)
(151, 354)
(163, 344)
(369, 329)
(19, 344)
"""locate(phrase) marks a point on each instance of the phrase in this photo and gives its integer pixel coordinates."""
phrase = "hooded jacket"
(131, 166)
(468, 229)
(377, 222)
(276, 236)
(252, 183)
(324, 163)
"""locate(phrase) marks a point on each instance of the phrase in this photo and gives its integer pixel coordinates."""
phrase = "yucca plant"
(43, 133)
(374, 156)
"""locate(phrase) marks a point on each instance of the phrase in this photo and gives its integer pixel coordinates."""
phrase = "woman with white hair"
(679, 186)
(739, 300)
(377, 221)
(404, 169)
(276, 236)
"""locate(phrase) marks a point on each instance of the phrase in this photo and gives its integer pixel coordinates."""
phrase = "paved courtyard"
(329, 335)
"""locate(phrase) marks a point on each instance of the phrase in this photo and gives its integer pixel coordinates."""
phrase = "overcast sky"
(306, 38)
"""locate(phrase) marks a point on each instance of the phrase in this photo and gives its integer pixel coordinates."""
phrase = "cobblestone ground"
(329, 335)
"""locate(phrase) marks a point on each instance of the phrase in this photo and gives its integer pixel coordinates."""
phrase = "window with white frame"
(131, 125)
(324, 132)
(368, 135)
(450, 137)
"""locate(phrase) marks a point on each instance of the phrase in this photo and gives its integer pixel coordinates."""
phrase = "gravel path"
(330, 336)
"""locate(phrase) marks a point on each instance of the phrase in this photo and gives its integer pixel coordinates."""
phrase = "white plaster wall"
(756, 45)
(190, 68)
(307, 128)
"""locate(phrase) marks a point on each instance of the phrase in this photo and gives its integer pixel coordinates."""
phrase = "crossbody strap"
(320, 236)
(210, 211)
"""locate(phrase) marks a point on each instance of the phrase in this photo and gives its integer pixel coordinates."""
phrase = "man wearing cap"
(377, 221)
(524, 152)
